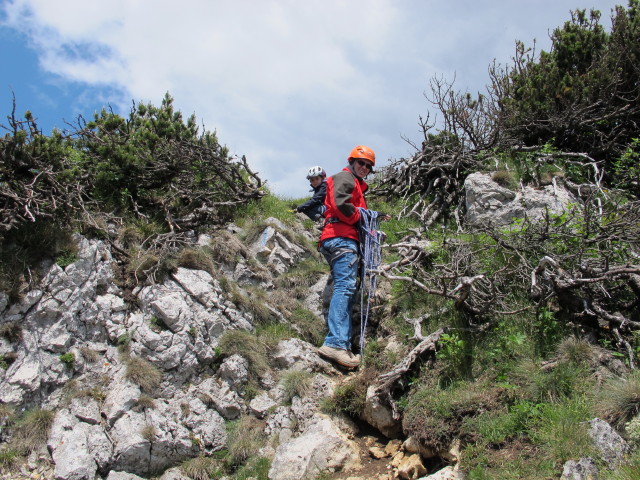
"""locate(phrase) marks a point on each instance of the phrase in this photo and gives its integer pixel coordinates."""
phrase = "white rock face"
(488, 203)
(380, 416)
(320, 448)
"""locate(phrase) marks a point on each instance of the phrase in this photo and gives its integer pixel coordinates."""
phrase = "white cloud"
(289, 83)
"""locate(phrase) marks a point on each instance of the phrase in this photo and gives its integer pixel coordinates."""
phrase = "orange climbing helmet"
(363, 152)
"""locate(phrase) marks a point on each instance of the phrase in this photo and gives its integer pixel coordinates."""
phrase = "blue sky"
(288, 83)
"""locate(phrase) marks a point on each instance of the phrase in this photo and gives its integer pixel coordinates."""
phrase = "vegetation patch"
(143, 373)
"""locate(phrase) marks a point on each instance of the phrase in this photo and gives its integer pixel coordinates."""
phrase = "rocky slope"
(138, 384)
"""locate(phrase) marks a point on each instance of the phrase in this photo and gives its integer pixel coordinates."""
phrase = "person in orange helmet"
(339, 244)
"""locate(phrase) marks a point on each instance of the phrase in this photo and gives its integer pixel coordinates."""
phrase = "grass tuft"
(619, 400)
(202, 468)
(296, 383)
(31, 431)
(246, 437)
(143, 373)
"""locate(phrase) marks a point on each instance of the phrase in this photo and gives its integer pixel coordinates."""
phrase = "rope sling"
(370, 240)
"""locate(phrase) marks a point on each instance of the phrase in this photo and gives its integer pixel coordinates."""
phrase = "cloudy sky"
(288, 83)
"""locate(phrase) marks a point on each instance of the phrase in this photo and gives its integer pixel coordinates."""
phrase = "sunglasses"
(364, 164)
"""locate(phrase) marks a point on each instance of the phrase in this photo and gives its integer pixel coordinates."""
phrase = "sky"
(288, 83)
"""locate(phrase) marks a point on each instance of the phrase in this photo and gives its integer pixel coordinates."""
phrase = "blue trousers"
(342, 255)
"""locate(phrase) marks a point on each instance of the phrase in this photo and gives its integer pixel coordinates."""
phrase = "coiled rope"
(370, 240)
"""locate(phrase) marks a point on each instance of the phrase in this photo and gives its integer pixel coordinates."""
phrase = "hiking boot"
(340, 356)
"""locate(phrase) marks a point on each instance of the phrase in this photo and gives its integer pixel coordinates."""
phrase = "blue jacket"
(319, 193)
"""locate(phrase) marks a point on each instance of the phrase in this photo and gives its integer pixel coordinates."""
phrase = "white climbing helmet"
(316, 171)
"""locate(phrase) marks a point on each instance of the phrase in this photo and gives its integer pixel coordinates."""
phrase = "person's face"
(362, 167)
(315, 181)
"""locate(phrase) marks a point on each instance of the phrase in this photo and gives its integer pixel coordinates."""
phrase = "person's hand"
(384, 217)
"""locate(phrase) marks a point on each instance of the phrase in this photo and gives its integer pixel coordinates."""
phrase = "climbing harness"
(370, 240)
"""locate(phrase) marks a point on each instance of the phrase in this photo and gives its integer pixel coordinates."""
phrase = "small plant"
(506, 179)
(98, 394)
(245, 438)
(157, 324)
(347, 398)
(66, 258)
(145, 402)
(206, 399)
(193, 331)
(249, 346)
(256, 468)
(124, 342)
(202, 468)
(68, 359)
(143, 373)
(31, 431)
(296, 383)
(632, 428)
(619, 400)
(196, 259)
(149, 432)
(7, 359)
(576, 351)
(9, 459)
(89, 354)
(254, 302)
(11, 331)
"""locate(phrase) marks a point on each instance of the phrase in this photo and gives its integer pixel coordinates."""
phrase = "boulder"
(322, 447)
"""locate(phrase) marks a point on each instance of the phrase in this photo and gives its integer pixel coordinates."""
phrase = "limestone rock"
(489, 203)
(320, 448)
(610, 444)
(411, 467)
(380, 416)
(583, 469)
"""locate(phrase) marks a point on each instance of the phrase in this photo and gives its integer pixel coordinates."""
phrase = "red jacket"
(345, 192)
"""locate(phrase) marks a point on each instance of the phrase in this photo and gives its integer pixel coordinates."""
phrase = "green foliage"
(506, 179)
(249, 346)
(562, 430)
(256, 468)
(31, 430)
(68, 359)
(260, 209)
(348, 398)
(547, 331)
(66, 257)
(435, 415)
(157, 324)
(627, 168)
(619, 400)
(9, 459)
(202, 468)
(295, 383)
(539, 385)
(451, 351)
(310, 328)
(578, 97)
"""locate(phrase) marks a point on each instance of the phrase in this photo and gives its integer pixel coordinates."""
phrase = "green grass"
(250, 346)
(202, 468)
(268, 206)
(295, 383)
(31, 430)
